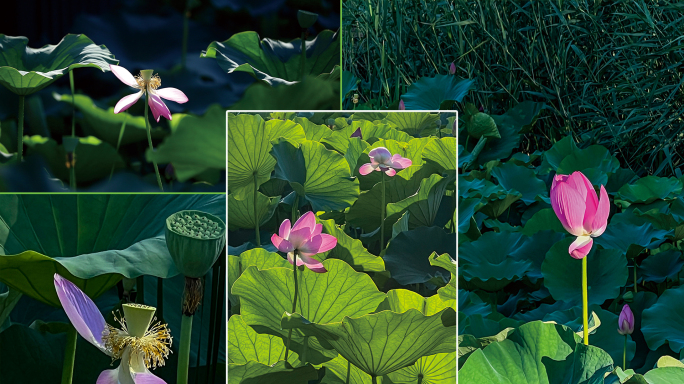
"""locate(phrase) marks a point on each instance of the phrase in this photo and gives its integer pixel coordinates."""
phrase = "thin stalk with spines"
(149, 140)
(20, 132)
(624, 355)
(256, 216)
(585, 315)
(72, 168)
(382, 215)
(69, 355)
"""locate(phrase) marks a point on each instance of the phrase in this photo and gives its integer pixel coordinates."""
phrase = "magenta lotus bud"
(452, 69)
(402, 107)
(626, 321)
(357, 133)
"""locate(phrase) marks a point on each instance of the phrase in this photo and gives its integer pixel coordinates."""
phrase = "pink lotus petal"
(578, 182)
(402, 107)
(311, 246)
(290, 256)
(380, 154)
(366, 169)
(598, 226)
(122, 74)
(108, 376)
(357, 133)
(580, 247)
(313, 264)
(308, 220)
(158, 107)
(328, 242)
(591, 202)
(390, 172)
(284, 230)
(568, 205)
(82, 312)
(299, 237)
(127, 101)
(317, 230)
(148, 378)
(626, 321)
(282, 244)
(452, 68)
(172, 94)
(399, 162)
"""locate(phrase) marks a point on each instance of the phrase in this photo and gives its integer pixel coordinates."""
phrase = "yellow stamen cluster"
(154, 82)
(154, 346)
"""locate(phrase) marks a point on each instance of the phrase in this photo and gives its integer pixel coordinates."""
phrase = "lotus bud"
(402, 107)
(452, 68)
(626, 321)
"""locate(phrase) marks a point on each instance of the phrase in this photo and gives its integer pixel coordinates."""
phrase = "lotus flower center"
(152, 83)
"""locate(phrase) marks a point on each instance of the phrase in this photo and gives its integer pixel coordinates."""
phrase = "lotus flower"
(452, 69)
(382, 160)
(304, 238)
(146, 83)
(626, 321)
(138, 345)
(402, 107)
(357, 133)
(579, 210)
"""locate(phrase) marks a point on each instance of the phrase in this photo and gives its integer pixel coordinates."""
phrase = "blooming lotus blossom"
(357, 133)
(579, 210)
(147, 84)
(626, 321)
(304, 238)
(452, 68)
(138, 345)
(382, 160)
(402, 107)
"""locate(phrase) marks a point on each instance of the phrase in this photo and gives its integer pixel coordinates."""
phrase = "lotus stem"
(585, 315)
(256, 216)
(160, 297)
(302, 65)
(20, 132)
(302, 358)
(69, 355)
(382, 215)
(374, 379)
(294, 302)
(348, 371)
(72, 168)
(624, 355)
(149, 140)
(420, 378)
(184, 350)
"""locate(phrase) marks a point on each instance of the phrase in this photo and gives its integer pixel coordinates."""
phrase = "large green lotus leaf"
(241, 212)
(665, 375)
(323, 297)
(559, 151)
(448, 292)
(94, 158)
(25, 70)
(623, 235)
(539, 353)
(8, 300)
(285, 128)
(661, 323)
(434, 369)
(606, 273)
(349, 83)
(106, 125)
(338, 369)
(469, 303)
(273, 61)
(595, 156)
(90, 239)
(524, 115)
(258, 257)
(661, 266)
(535, 251)
(401, 300)
(317, 174)
(245, 345)
(412, 123)
(357, 155)
(254, 372)
(312, 93)
(523, 180)
(249, 162)
(428, 93)
(386, 341)
(408, 256)
(544, 219)
(196, 144)
(605, 336)
(423, 206)
(370, 131)
(466, 210)
(487, 261)
(651, 188)
(315, 132)
(351, 250)
(441, 152)
(496, 198)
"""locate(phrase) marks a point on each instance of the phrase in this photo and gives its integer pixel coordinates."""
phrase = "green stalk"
(294, 302)
(624, 355)
(72, 168)
(256, 216)
(305, 350)
(140, 290)
(149, 140)
(382, 216)
(186, 16)
(160, 298)
(302, 65)
(348, 371)
(69, 355)
(20, 132)
(585, 305)
(184, 350)
(374, 379)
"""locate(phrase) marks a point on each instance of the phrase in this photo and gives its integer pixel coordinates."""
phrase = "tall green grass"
(611, 72)
(389, 44)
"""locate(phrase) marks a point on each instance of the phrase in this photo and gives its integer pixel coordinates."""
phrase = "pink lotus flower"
(305, 238)
(579, 210)
(146, 83)
(452, 69)
(137, 345)
(382, 160)
(626, 321)
(402, 107)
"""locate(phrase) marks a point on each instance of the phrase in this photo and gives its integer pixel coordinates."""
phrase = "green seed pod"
(194, 250)
(306, 19)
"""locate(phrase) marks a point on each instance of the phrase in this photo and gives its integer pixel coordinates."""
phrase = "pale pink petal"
(317, 230)
(598, 226)
(568, 205)
(399, 162)
(172, 94)
(380, 152)
(122, 74)
(109, 376)
(579, 182)
(282, 244)
(591, 201)
(82, 312)
(328, 242)
(284, 230)
(366, 169)
(580, 247)
(402, 107)
(290, 257)
(158, 108)
(390, 172)
(313, 264)
(308, 220)
(311, 246)
(299, 237)
(148, 378)
(127, 101)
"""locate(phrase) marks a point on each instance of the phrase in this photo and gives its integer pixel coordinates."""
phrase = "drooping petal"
(568, 205)
(399, 162)
(148, 378)
(284, 230)
(290, 258)
(313, 264)
(282, 244)
(109, 376)
(158, 108)
(127, 101)
(580, 247)
(328, 242)
(390, 172)
(122, 74)
(311, 246)
(82, 312)
(308, 220)
(366, 169)
(598, 226)
(172, 94)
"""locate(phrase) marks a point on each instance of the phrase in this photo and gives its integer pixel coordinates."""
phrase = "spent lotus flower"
(138, 345)
(303, 240)
(145, 83)
(579, 210)
(626, 321)
(383, 161)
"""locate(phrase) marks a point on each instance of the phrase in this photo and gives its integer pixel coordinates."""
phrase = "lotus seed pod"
(306, 19)
(194, 249)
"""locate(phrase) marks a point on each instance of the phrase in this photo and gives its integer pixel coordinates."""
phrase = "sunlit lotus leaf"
(401, 300)
(285, 128)
(249, 162)
(651, 188)
(523, 180)
(408, 256)
(338, 369)
(441, 152)
(432, 369)
(448, 292)
(25, 70)
(245, 345)
(413, 123)
(339, 140)
(241, 212)
(258, 257)
(254, 372)
(428, 93)
(313, 131)
(422, 207)
(350, 250)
